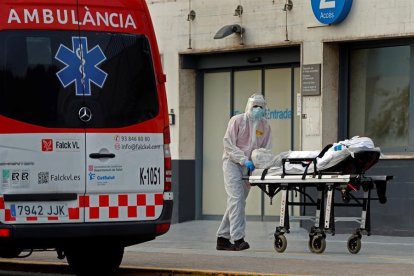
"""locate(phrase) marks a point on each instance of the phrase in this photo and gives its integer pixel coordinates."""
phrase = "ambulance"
(84, 134)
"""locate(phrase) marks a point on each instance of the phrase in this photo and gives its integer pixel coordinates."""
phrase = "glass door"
(226, 94)
(216, 112)
(281, 116)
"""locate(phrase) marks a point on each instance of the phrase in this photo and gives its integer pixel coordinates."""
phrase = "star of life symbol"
(81, 66)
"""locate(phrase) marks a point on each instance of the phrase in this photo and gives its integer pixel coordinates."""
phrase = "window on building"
(379, 96)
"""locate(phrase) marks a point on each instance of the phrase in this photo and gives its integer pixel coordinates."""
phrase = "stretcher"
(346, 177)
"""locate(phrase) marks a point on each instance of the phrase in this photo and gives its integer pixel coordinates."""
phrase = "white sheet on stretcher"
(262, 158)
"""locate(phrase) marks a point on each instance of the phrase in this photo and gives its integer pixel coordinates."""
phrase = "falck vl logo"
(47, 145)
(81, 66)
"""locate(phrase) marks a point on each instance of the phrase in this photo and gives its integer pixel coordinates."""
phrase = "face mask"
(257, 113)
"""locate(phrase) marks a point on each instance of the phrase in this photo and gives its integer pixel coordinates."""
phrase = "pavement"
(190, 248)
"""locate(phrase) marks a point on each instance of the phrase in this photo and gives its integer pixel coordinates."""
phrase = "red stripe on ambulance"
(107, 207)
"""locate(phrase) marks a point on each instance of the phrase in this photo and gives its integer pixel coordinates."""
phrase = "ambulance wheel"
(9, 252)
(354, 244)
(280, 243)
(95, 259)
(318, 244)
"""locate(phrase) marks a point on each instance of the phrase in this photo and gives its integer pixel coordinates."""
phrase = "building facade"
(329, 69)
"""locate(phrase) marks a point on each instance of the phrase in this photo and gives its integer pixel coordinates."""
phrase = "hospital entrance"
(225, 94)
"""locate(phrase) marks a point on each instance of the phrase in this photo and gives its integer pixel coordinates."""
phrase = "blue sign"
(331, 11)
(81, 66)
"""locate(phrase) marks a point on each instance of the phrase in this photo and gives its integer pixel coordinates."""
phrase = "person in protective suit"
(245, 132)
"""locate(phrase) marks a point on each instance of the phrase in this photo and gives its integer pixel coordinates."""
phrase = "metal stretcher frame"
(325, 183)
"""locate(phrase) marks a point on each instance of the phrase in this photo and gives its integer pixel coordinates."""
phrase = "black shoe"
(241, 245)
(224, 244)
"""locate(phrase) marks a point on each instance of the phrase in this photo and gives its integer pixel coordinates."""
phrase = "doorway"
(224, 94)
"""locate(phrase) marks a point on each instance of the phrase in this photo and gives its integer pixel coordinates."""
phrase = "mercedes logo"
(85, 114)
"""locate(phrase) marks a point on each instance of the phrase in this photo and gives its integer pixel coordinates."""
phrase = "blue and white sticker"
(331, 11)
(13, 210)
(81, 66)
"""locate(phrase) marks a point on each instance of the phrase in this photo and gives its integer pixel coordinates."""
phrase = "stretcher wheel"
(354, 244)
(280, 243)
(310, 245)
(318, 244)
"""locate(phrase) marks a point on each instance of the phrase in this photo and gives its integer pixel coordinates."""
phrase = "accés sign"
(331, 11)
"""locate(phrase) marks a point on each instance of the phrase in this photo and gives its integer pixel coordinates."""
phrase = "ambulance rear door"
(42, 139)
(124, 127)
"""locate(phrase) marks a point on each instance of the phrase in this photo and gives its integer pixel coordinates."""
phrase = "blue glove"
(249, 164)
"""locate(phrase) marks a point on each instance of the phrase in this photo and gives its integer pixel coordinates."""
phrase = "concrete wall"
(264, 22)
(265, 27)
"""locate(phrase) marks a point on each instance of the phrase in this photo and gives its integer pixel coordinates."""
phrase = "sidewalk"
(189, 249)
(187, 243)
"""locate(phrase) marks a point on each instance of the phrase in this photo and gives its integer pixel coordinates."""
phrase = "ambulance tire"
(95, 260)
(10, 252)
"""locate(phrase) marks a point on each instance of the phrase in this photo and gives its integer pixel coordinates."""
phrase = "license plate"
(39, 209)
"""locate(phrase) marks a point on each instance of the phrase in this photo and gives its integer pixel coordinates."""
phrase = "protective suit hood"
(255, 99)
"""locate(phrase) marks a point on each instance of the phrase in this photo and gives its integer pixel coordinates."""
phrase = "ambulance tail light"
(4, 233)
(162, 228)
(167, 168)
(167, 139)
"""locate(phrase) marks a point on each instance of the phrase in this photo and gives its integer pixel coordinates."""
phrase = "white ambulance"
(84, 135)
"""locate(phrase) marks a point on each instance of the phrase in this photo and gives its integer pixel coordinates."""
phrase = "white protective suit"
(243, 135)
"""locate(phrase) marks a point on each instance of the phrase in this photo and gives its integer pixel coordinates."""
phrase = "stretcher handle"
(101, 155)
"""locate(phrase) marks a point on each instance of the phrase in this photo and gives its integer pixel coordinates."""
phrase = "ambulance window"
(28, 85)
(129, 93)
(118, 83)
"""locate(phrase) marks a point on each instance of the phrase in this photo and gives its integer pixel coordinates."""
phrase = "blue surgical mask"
(257, 113)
